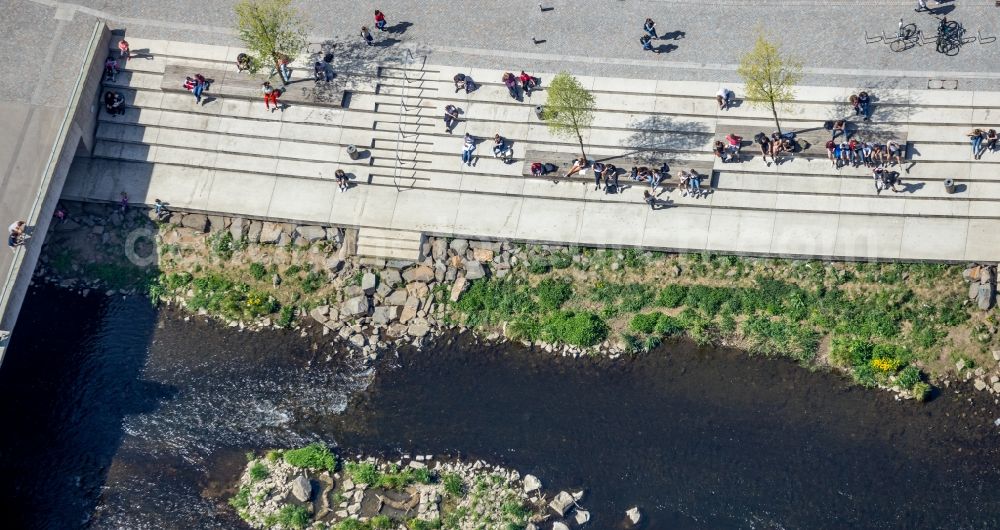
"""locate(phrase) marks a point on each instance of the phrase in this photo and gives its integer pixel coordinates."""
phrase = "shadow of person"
(385, 43)
(666, 48)
(917, 186)
(399, 28)
(673, 35)
(941, 10)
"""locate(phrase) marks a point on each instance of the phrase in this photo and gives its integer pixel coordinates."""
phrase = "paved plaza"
(413, 182)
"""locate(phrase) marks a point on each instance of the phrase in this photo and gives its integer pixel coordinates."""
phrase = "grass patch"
(258, 471)
(313, 456)
(293, 516)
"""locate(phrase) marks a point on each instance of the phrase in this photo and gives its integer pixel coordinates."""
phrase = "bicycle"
(907, 35)
(949, 37)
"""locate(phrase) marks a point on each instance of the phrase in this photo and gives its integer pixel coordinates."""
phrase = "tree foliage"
(569, 109)
(770, 76)
(270, 29)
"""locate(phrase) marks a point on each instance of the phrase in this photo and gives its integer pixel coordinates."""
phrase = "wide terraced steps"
(232, 156)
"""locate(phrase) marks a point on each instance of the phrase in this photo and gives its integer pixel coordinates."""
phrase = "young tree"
(570, 108)
(270, 30)
(770, 77)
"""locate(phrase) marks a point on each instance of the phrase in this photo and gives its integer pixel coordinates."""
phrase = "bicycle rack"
(875, 39)
(986, 40)
(407, 59)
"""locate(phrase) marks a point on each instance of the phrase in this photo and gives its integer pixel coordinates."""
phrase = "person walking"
(649, 198)
(379, 20)
(865, 104)
(921, 6)
(367, 35)
(450, 117)
(270, 96)
(647, 44)
(650, 28)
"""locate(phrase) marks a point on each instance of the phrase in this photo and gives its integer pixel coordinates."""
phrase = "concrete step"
(386, 243)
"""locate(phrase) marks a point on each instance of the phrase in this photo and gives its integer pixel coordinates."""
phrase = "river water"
(118, 415)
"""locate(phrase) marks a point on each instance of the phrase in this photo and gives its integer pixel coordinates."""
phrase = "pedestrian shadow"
(673, 35)
(385, 43)
(665, 48)
(142, 53)
(917, 186)
(941, 10)
(399, 28)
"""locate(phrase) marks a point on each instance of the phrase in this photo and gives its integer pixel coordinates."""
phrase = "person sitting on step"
(501, 149)
(578, 165)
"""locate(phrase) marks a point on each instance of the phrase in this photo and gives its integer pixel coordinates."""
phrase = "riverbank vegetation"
(887, 324)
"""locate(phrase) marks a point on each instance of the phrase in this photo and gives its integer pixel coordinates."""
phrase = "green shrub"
(671, 296)
(865, 375)
(576, 328)
(273, 456)
(493, 301)
(350, 524)
(539, 266)
(257, 271)
(515, 512)
(285, 316)
(668, 326)
(422, 475)
(313, 456)
(553, 293)
(293, 516)
(645, 322)
(241, 501)
(453, 485)
(420, 524)
(363, 472)
(635, 296)
(632, 343)
(258, 471)
(651, 343)
(561, 260)
(381, 522)
(312, 282)
(909, 377)
(921, 391)
(221, 244)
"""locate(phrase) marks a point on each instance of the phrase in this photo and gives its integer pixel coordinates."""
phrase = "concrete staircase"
(389, 244)
(231, 156)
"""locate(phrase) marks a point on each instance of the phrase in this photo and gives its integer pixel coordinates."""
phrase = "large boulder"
(301, 488)
(320, 314)
(561, 503)
(456, 291)
(634, 515)
(418, 289)
(217, 223)
(368, 282)
(410, 309)
(531, 483)
(385, 314)
(398, 297)
(238, 228)
(270, 233)
(483, 254)
(459, 246)
(559, 525)
(253, 231)
(418, 327)
(474, 270)
(581, 517)
(439, 249)
(196, 221)
(357, 306)
(391, 277)
(311, 233)
(422, 273)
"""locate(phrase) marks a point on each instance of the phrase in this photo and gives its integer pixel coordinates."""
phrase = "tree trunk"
(582, 152)
(776, 123)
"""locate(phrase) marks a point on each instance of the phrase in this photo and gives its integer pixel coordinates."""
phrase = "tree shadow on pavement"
(654, 135)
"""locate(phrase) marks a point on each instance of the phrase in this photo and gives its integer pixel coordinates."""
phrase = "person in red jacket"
(527, 82)
(379, 20)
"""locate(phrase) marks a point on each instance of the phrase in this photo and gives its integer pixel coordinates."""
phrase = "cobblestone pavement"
(601, 36)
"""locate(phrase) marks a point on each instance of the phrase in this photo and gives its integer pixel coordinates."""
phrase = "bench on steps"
(812, 141)
(564, 161)
(243, 85)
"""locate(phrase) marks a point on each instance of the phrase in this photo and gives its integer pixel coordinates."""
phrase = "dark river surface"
(117, 415)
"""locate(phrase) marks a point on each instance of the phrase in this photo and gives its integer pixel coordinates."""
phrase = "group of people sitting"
(775, 146)
(869, 154)
(728, 151)
(606, 175)
(114, 102)
(978, 137)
